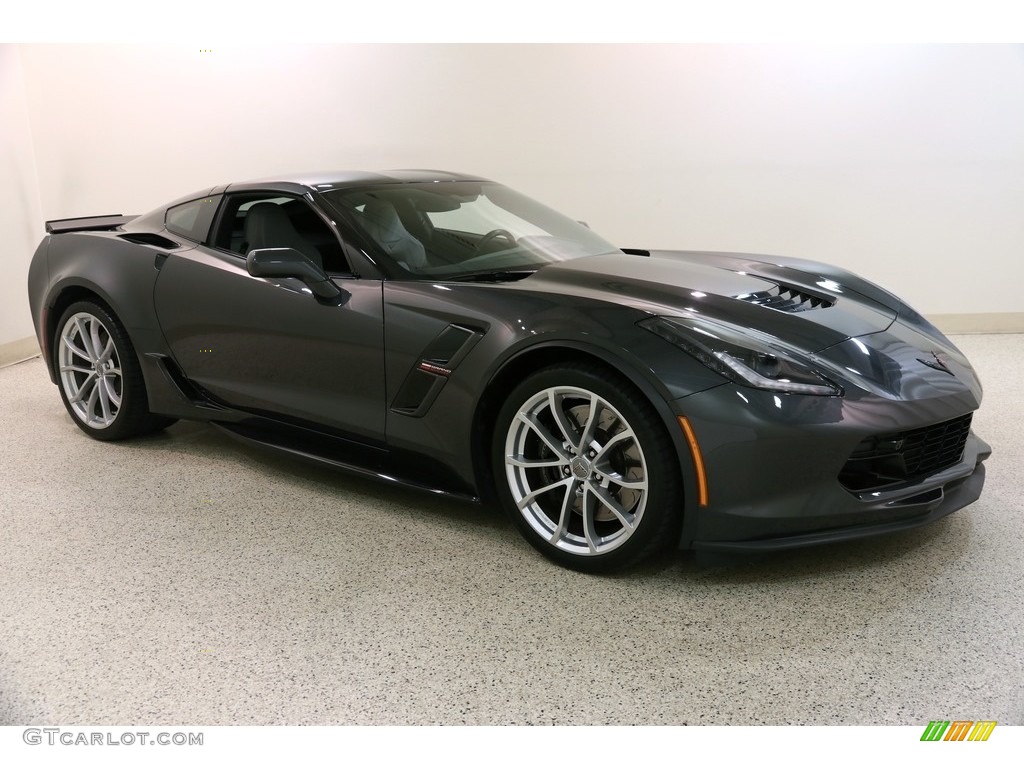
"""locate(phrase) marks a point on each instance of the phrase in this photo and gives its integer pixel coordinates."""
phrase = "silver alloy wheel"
(90, 371)
(576, 470)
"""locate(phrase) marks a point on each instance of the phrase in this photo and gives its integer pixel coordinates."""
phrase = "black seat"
(267, 226)
(381, 222)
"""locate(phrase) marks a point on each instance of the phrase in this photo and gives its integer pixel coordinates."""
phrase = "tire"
(616, 502)
(98, 375)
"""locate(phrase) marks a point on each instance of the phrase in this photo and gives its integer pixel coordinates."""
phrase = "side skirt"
(361, 460)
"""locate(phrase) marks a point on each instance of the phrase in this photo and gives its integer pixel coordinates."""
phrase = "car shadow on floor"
(203, 440)
(932, 546)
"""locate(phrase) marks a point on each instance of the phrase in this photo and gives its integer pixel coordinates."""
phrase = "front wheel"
(586, 470)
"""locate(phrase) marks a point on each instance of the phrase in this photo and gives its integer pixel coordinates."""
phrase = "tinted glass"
(280, 221)
(455, 229)
(192, 219)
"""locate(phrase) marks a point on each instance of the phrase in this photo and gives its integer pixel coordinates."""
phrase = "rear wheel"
(585, 469)
(99, 376)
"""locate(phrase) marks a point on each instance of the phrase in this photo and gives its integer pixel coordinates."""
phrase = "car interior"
(262, 221)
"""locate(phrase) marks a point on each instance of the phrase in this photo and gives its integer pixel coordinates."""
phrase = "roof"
(324, 180)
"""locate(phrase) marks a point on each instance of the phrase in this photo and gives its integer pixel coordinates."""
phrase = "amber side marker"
(698, 461)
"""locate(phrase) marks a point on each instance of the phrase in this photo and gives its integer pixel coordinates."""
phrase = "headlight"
(743, 356)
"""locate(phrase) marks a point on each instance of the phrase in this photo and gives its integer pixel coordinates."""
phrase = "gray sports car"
(446, 332)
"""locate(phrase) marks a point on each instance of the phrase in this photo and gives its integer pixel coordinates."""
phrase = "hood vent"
(786, 299)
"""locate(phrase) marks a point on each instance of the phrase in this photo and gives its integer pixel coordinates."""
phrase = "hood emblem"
(937, 363)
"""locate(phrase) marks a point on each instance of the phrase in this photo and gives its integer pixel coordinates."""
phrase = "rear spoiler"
(87, 224)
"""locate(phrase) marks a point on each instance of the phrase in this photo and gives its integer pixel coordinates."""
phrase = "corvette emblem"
(937, 363)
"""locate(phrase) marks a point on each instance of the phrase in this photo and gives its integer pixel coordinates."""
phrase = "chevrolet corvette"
(448, 333)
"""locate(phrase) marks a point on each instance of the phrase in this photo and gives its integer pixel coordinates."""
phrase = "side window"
(192, 219)
(271, 220)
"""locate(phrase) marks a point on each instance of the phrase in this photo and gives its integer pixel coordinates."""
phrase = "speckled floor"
(185, 578)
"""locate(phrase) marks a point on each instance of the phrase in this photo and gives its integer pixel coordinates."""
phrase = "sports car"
(446, 332)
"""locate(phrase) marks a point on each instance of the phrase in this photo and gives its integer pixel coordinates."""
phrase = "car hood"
(804, 308)
(863, 334)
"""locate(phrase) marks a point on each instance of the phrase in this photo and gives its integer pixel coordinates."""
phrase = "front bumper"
(954, 496)
(773, 465)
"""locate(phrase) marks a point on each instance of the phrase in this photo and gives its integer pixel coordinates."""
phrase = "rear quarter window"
(192, 219)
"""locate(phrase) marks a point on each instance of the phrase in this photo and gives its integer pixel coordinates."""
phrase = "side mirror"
(288, 262)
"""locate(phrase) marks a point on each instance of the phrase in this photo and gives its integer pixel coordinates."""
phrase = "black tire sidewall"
(660, 525)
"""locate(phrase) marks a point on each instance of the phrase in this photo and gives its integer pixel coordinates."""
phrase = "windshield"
(458, 229)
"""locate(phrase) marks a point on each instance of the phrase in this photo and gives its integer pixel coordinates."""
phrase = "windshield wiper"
(500, 276)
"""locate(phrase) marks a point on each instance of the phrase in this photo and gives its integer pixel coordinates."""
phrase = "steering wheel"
(493, 235)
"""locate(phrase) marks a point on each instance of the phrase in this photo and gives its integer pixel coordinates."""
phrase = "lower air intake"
(905, 457)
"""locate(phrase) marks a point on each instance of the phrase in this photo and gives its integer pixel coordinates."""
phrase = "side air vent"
(786, 299)
(446, 345)
(438, 360)
(419, 387)
(175, 374)
(148, 238)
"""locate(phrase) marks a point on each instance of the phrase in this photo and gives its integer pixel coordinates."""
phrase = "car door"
(268, 344)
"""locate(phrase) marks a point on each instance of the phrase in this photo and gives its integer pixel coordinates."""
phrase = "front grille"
(786, 299)
(905, 457)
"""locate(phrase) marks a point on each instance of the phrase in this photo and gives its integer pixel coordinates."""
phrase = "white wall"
(903, 163)
(20, 218)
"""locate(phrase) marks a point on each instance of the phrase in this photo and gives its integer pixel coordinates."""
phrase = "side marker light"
(698, 461)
